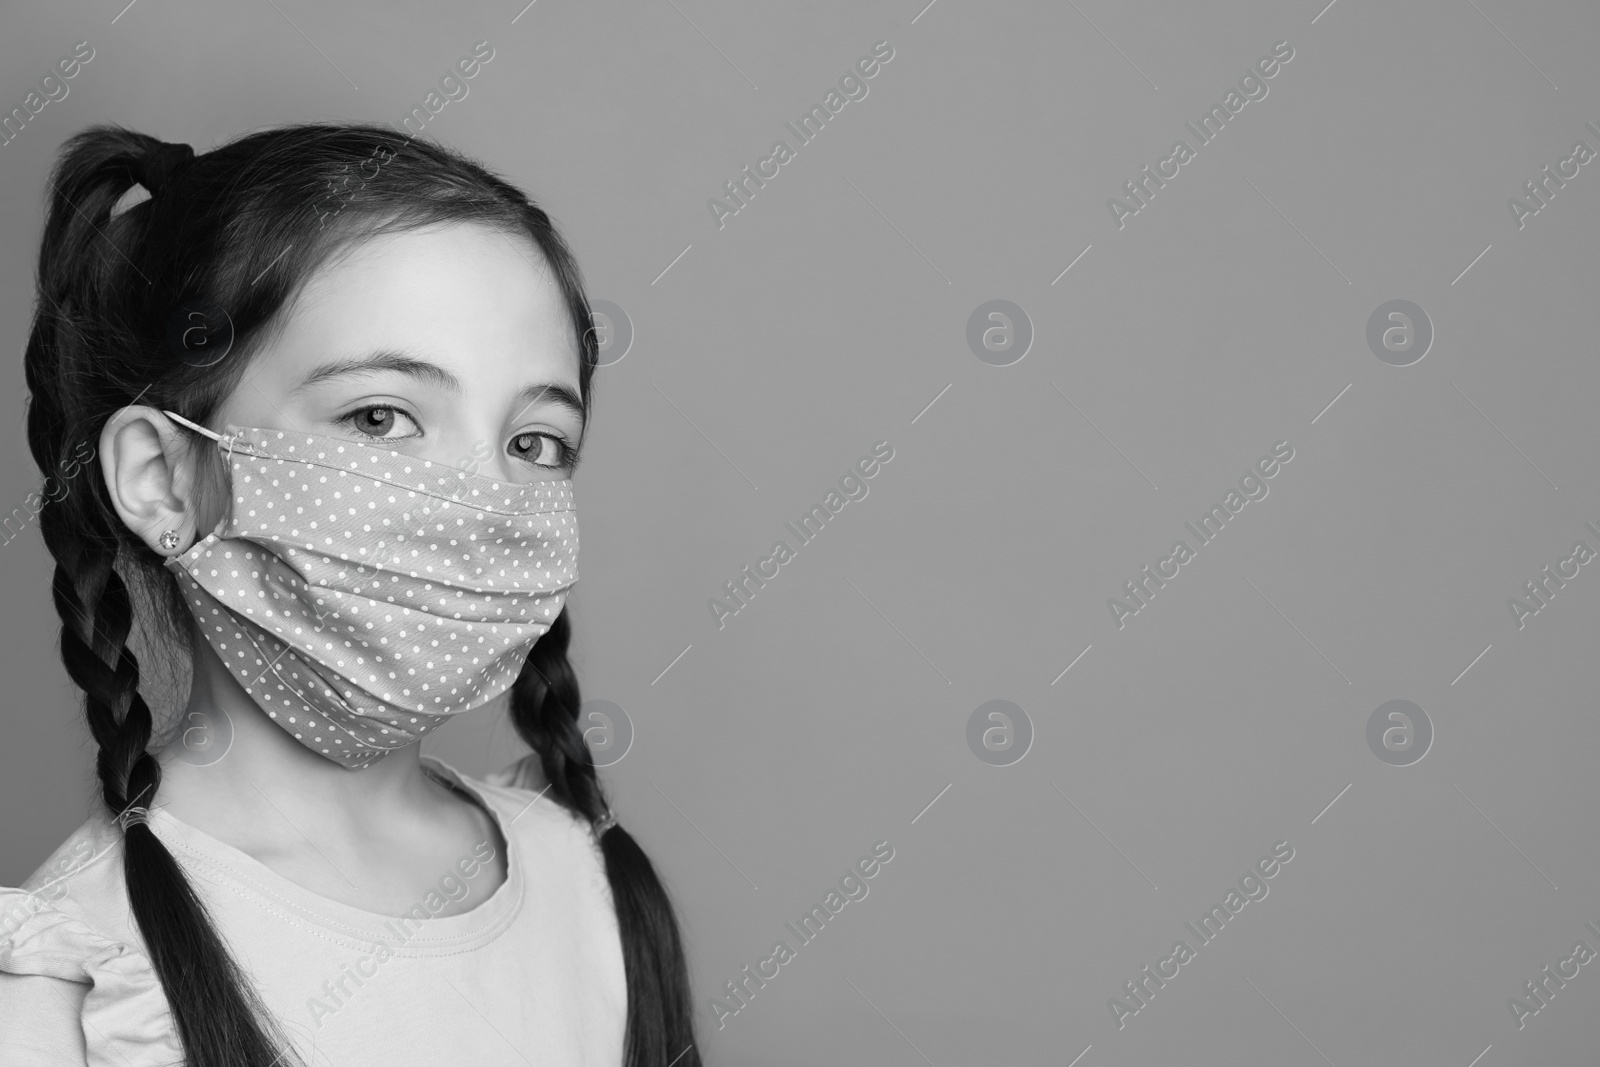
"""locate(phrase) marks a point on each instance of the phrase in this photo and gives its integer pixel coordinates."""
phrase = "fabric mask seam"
(420, 492)
(361, 572)
(272, 665)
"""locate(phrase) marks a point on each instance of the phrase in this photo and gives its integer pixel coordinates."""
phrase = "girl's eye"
(380, 421)
(542, 449)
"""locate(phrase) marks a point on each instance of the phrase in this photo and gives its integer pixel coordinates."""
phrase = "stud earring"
(170, 539)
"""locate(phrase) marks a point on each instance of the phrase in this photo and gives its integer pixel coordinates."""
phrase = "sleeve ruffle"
(126, 1020)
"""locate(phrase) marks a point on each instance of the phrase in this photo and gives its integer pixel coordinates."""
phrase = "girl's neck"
(231, 762)
(375, 838)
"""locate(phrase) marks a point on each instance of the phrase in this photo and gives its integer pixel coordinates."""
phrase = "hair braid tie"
(157, 168)
(135, 814)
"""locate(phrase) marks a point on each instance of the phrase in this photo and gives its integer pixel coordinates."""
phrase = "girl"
(335, 383)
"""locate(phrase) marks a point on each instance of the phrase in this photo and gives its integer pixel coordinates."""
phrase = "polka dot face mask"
(362, 596)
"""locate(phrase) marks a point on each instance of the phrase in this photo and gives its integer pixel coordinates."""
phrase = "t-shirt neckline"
(418, 933)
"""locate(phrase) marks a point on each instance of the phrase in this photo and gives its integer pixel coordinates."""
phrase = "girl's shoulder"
(559, 846)
(525, 775)
(79, 885)
(521, 799)
(69, 949)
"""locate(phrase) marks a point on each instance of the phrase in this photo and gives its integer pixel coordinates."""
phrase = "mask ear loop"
(201, 429)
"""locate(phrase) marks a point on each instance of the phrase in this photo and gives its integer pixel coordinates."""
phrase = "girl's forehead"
(463, 294)
(458, 270)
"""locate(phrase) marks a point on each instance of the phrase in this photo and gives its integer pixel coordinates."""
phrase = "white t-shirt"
(533, 973)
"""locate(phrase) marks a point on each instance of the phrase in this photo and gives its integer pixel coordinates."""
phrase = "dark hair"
(131, 307)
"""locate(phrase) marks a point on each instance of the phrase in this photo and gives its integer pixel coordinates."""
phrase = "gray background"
(1223, 318)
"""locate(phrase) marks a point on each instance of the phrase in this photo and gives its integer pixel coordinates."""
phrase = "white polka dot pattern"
(362, 596)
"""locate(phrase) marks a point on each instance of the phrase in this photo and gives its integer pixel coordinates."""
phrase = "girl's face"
(451, 344)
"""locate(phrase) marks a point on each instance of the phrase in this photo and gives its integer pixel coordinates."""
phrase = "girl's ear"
(150, 473)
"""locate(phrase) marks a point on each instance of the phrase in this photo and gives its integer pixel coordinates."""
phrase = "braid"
(96, 617)
(216, 1013)
(544, 709)
(185, 950)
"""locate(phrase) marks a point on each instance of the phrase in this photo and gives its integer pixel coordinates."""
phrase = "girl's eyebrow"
(383, 360)
(421, 369)
(555, 393)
